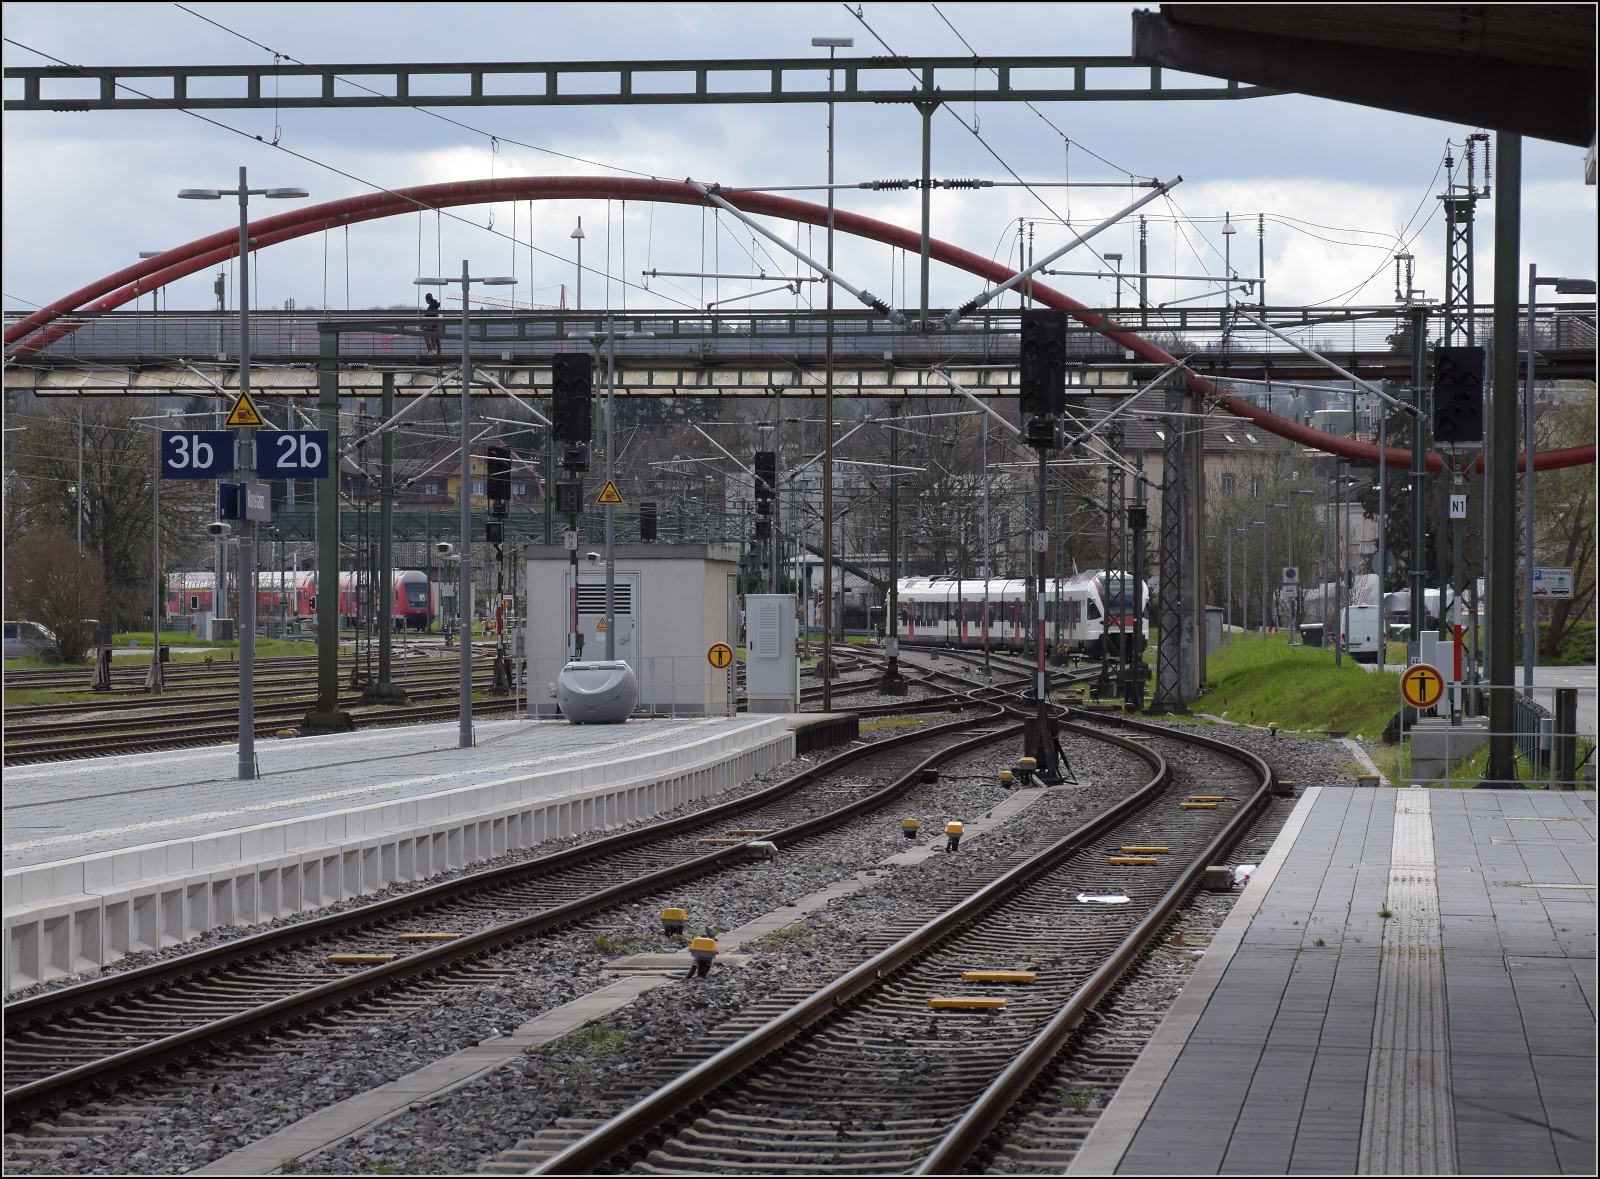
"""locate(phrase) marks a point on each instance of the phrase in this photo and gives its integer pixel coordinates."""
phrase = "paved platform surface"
(1456, 1036)
(67, 809)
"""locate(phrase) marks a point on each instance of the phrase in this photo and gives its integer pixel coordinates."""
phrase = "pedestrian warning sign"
(720, 655)
(244, 414)
(1421, 686)
(609, 494)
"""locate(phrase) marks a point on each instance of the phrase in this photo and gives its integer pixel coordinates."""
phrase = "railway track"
(69, 1045)
(867, 1076)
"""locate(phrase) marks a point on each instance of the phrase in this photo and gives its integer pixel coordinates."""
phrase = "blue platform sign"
(244, 501)
(292, 454)
(196, 454)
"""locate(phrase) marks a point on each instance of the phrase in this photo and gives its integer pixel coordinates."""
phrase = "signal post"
(1042, 384)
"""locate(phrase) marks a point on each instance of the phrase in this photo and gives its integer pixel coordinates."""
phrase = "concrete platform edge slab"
(58, 923)
(1113, 1133)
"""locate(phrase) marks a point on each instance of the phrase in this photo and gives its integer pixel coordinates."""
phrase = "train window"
(1094, 612)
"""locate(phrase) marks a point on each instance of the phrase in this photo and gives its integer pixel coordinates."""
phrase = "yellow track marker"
(966, 1003)
(1145, 851)
(1197, 806)
(1144, 861)
(360, 959)
(429, 937)
(1010, 976)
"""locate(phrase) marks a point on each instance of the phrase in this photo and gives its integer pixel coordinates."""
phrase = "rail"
(615, 1142)
(49, 1095)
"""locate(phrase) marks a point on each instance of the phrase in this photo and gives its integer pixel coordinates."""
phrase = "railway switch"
(909, 828)
(1008, 779)
(704, 952)
(952, 832)
(673, 921)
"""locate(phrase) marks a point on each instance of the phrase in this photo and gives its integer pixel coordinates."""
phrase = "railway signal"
(1458, 395)
(572, 397)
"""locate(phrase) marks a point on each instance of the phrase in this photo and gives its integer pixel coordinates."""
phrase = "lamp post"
(464, 486)
(1227, 294)
(833, 45)
(247, 527)
(1288, 510)
(1230, 561)
(1227, 589)
(1117, 259)
(578, 235)
(1262, 524)
(1530, 612)
(1244, 580)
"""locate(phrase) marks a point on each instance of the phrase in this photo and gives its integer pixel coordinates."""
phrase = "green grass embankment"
(1262, 682)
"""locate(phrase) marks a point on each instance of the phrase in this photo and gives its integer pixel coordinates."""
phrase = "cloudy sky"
(1339, 185)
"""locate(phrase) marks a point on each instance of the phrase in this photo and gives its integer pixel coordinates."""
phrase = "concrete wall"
(74, 916)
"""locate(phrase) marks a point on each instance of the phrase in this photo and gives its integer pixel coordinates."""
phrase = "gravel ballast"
(221, 1107)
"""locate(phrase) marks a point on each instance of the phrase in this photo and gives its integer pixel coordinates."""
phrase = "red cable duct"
(151, 273)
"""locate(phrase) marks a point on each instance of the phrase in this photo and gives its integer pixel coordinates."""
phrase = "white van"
(28, 638)
(1362, 632)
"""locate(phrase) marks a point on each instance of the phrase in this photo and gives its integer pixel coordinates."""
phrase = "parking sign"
(1291, 575)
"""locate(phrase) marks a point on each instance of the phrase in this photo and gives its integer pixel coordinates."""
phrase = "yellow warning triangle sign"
(609, 494)
(244, 413)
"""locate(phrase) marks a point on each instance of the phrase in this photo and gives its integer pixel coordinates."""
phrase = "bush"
(49, 583)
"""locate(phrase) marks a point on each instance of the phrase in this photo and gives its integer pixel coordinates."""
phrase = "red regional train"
(416, 600)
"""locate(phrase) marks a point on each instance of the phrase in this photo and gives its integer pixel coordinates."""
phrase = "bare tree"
(49, 583)
(1564, 516)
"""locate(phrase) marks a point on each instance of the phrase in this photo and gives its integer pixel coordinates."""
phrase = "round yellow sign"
(1421, 686)
(720, 655)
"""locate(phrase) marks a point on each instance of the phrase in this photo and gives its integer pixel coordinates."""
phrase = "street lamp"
(1244, 579)
(464, 585)
(1228, 231)
(1226, 593)
(247, 528)
(1530, 613)
(578, 235)
(1262, 524)
(833, 45)
(1116, 258)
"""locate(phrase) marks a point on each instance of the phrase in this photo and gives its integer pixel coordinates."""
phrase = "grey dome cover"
(603, 692)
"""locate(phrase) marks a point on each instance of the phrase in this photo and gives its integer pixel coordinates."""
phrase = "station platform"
(112, 855)
(1407, 986)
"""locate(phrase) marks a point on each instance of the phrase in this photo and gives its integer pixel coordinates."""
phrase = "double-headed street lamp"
(464, 485)
(247, 527)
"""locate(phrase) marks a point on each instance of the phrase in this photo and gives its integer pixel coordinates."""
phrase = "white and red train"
(416, 600)
(943, 612)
